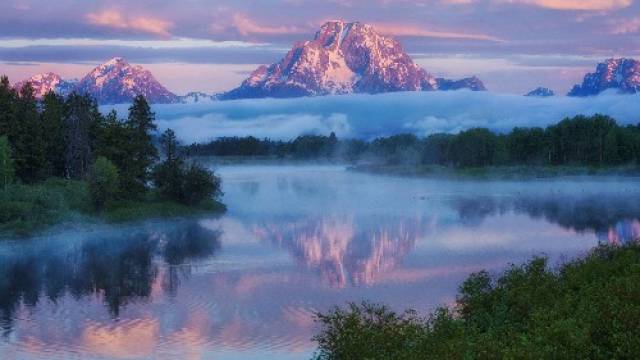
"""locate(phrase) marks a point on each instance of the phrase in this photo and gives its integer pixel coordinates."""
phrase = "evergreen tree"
(142, 152)
(6, 163)
(27, 137)
(78, 123)
(169, 175)
(113, 141)
(103, 182)
(52, 120)
(169, 144)
(7, 106)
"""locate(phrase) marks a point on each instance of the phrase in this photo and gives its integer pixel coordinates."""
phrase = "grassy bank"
(27, 209)
(584, 309)
(495, 172)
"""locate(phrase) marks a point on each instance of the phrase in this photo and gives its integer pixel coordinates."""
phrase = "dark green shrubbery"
(25, 208)
(587, 308)
(189, 184)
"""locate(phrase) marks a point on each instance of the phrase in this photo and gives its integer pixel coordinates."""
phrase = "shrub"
(103, 182)
(585, 309)
(199, 184)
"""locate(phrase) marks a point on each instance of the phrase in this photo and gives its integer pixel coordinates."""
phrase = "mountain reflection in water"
(295, 241)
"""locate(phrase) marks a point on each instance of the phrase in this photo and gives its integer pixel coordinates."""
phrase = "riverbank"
(28, 209)
(585, 308)
(494, 172)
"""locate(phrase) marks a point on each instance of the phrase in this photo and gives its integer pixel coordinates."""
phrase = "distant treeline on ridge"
(583, 140)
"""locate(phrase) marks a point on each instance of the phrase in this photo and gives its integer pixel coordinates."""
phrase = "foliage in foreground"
(587, 308)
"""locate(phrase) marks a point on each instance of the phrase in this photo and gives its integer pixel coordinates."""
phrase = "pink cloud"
(574, 4)
(246, 26)
(116, 20)
(409, 30)
(626, 26)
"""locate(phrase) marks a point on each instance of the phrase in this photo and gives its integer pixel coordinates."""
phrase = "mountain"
(196, 97)
(343, 58)
(43, 83)
(472, 83)
(116, 81)
(541, 92)
(621, 74)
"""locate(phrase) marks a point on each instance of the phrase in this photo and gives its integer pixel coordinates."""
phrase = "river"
(296, 240)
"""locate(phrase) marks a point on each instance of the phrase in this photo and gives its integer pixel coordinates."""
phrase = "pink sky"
(512, 45)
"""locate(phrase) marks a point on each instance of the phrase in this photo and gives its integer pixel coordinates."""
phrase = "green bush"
(27, 208)
(200, 184)
(587, 308)
(103, 182)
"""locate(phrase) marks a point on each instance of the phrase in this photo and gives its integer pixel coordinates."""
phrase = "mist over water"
(369, 116)
(296, 240)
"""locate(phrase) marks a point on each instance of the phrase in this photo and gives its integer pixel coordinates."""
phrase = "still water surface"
(296, 240)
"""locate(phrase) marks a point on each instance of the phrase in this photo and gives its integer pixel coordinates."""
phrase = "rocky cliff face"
(620, 74)
(343, 58)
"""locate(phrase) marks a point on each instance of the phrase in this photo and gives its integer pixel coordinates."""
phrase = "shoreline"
(30, 210)
(494, 172)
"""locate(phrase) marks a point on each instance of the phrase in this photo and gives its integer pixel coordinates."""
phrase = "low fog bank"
(370, 116)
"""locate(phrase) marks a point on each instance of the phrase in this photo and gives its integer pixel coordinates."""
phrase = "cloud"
(594, 5)
(626, 26)
(116, 20)
(369, 116)
(247, 27)
(409, 30)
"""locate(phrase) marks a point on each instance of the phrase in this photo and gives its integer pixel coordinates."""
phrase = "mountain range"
(113, 82)
(342, 58)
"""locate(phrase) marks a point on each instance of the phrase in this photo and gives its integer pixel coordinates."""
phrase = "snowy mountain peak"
(45, 82)
(116, 81)
(343, 58)
(622, 74)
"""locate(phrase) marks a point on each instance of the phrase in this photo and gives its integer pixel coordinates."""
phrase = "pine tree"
(52, 119)
(142, 151)
(28, 138)
(113, 141)
(78, 122)
(169, 175)
(169, 144)
(7, 106)
(6, 163)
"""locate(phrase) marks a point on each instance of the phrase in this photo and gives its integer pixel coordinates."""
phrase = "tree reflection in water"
(614, 219)
(120, 267)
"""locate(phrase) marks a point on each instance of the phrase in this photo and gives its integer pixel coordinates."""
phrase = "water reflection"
(344, 250)
(118, 267)
(295, 241)
(614, 218)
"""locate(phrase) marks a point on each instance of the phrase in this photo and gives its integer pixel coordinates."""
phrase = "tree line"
(582, 140)
(69, 138)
